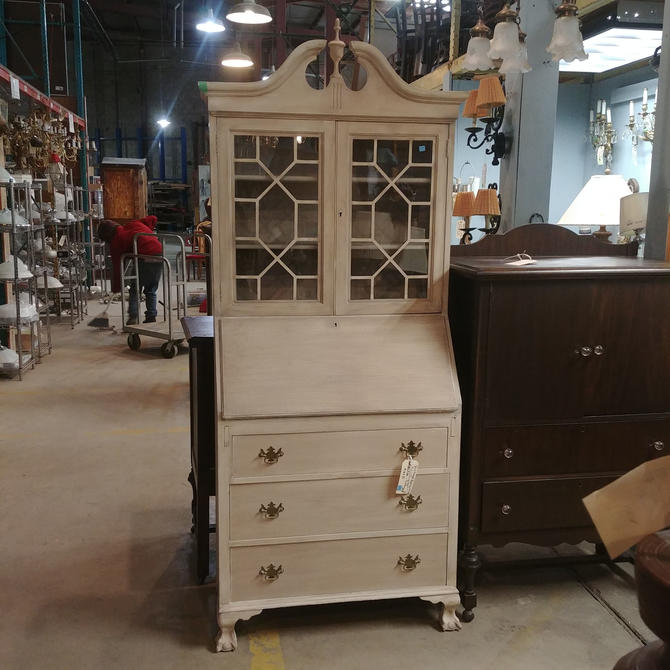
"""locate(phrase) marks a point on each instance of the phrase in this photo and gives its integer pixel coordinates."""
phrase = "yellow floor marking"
(266, 653)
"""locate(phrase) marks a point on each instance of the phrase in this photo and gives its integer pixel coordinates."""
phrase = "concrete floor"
(96, 554)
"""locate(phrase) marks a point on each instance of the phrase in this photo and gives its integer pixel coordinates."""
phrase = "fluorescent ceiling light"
(249, 12)
(614, 48)
(163, 123)
(211, 24)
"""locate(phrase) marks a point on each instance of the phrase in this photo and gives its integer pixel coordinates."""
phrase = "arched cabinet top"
(286, 94)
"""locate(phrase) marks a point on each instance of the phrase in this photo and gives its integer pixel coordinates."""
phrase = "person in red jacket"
(120, 238)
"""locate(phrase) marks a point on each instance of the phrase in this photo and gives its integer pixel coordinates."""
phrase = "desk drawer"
(335, 506)
(339, 566)
(350, 451)
(537, 504)
(573, 448)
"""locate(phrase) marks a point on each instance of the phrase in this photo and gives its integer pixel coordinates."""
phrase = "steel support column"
(280, 32)
(3, 34)
(45, 48)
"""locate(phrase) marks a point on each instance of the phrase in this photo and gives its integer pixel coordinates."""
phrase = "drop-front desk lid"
(318, 365)
(556, 266)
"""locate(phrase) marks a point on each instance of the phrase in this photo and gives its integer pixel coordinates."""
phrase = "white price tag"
(70, 122)
(61, 241)
(600, 155)
(14, 87)
(408, 472)
(523, 261)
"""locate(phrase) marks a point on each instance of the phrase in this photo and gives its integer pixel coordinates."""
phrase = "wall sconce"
(487, 103)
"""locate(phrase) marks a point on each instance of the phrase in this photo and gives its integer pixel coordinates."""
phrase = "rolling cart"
(172, 281)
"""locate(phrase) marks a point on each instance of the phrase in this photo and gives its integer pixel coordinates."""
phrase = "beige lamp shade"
(470, 110)
(598, 203)
(633, 212)
(486, 202)
(464, 204)
(490, 93)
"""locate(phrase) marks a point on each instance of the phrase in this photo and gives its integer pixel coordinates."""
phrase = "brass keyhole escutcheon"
(271, 573)
(411, 448)
(409, 502)
(270, 456)
(408, 562)
(271, 511)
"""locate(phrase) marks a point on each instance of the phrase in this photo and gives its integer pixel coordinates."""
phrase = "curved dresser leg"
(226, 639)
(448, 604)
(469, 562)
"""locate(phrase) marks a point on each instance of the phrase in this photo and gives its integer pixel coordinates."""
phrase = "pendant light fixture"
(235, 57)
(567, 43)
(477, 57)
(505, 42)
(211, 24)
(518, 63)
(250, 12)
(163, 122)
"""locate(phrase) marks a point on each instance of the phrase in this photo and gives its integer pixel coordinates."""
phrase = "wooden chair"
(198, 255)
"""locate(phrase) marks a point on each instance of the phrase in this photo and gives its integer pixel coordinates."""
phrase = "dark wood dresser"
(564, 368)
(199, 331)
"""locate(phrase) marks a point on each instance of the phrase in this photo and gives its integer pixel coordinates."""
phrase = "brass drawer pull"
(584, 351)
(411, 449)
(270, 456)
(659, 445)
(506, 509)
(409, 502)
(408, 563)
(271, 573)
(508, 453)
(271, 511)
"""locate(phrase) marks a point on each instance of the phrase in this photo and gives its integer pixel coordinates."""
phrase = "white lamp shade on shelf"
(6, 218)
(5, 176)
(477, 57)
(9, 359)
(249, 12)
(505, 42)
(598, 203)
(567, 43)
(52, 282)
(518, 63)
(27, 311)
(7, 269)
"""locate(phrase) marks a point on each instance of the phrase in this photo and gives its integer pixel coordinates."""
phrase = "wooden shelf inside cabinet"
(332, 346)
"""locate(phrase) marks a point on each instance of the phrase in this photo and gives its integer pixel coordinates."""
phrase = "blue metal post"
(119, 142)
(45, 48)
(161, 150)
(184, 157)
(3, 35)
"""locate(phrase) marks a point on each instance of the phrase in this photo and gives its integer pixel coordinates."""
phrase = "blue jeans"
(150, 277)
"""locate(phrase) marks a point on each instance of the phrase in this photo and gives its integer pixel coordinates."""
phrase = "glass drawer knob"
(585, 351)
(506, 509)
(599, 350)
(508, 453)
(658, 445)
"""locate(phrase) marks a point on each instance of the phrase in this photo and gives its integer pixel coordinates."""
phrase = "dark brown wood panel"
(537, 504)
(542, 239)
(573, 448)
(534, 371)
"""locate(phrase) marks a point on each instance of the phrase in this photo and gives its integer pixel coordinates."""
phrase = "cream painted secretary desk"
(334, 359)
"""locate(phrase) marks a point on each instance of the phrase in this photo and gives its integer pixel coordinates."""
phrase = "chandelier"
(642, 126)
(602, 135)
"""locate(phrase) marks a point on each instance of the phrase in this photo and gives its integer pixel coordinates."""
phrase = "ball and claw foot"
(449, 620)
(467, 616)
(226, 640)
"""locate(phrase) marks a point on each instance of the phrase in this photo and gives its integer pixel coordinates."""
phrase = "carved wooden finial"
(336, 48)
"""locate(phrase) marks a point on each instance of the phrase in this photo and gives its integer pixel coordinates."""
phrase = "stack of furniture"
(564, 373)
(334, 361)
(125, 188)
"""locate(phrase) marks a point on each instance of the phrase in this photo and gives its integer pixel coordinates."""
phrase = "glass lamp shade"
(236, 58)
(477, 57)
(517, 64)
(486, 202)
(490, 93)
(505, 42)
(249, 12)
(464, 204)
(567, 43)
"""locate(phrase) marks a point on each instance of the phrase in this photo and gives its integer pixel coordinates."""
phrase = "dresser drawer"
(351, 451)
(335, 506)
(537, 504)
(338, 566)
(573, 448)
